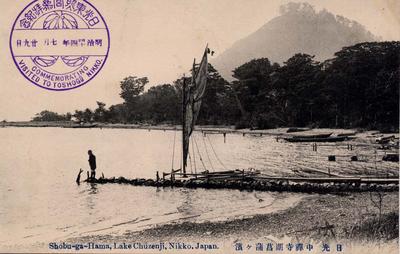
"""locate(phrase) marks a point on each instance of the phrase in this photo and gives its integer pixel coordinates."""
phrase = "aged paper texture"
(208, 126)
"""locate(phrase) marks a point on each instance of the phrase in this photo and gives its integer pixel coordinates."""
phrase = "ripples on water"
(41, 202)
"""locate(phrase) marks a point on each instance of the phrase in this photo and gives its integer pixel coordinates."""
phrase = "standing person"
(92, 164)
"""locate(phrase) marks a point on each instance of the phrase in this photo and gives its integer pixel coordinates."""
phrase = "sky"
(159, 39)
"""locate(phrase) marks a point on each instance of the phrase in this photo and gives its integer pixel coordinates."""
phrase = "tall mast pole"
(183, 125)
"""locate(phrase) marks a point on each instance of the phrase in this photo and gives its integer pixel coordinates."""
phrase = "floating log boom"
(253, 180)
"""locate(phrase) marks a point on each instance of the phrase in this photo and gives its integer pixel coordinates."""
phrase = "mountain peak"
(299, 29)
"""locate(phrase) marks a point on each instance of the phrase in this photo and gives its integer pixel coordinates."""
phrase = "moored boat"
(84, 126)
(322, 135)
(316, 139)
(347, 134)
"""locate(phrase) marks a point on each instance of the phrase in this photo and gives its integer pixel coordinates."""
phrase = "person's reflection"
(93, 188)
(91, 197)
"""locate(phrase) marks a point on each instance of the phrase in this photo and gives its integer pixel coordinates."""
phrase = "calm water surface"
(40, 201)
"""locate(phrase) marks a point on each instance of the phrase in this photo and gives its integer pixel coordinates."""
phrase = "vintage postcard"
(199, 126)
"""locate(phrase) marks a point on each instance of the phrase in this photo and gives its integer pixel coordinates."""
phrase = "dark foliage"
(48, 116)
(363, 82)
(359, 87)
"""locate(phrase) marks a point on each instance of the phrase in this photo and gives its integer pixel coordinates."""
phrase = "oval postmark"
(59, 44)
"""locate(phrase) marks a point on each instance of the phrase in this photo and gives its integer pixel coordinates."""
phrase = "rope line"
(173, 151)
(190, 163)
(198, 151)
(194, 157)
(181, 159)
(215, 154)
(208, 156)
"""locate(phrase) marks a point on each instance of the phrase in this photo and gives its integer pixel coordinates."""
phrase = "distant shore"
(212, 129)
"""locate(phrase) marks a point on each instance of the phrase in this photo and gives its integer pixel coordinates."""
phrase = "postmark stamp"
(59, 44)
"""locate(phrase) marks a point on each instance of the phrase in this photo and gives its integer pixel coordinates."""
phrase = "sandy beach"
(338, 218)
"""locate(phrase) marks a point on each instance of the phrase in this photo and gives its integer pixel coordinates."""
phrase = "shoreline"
(209, 129)
(316, 217)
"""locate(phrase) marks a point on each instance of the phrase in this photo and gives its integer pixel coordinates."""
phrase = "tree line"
(358, 87)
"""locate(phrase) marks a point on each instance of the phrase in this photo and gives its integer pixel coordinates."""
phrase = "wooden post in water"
(78, 178)
(224, 137)
(314, 146)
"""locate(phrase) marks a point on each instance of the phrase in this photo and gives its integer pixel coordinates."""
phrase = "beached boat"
(347, 134)
(296, 129)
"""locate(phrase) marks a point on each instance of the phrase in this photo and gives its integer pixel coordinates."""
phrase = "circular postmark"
(59, 44)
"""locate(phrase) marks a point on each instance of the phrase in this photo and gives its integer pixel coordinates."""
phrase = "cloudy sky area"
(158, 39)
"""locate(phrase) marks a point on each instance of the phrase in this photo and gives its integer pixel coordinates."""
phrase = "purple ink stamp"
(59, 44)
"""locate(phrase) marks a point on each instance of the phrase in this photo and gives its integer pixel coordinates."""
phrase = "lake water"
(40, 201)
